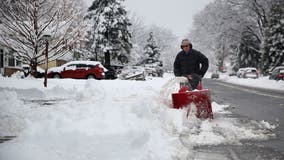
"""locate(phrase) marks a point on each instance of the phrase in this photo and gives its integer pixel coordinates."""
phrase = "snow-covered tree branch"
(234, 31)
(110, 30)
(24, 23)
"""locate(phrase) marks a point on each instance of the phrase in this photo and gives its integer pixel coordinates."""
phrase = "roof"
(88, 63)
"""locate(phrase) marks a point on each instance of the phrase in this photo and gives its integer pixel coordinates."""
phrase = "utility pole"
(46, 38)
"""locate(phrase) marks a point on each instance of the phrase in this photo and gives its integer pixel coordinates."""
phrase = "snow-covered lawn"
(109, 120)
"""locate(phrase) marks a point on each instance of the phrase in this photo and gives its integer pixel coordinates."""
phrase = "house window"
(11, 61)
(18, 63)
(1, 58)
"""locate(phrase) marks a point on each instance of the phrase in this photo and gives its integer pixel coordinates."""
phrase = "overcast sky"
(176, 15)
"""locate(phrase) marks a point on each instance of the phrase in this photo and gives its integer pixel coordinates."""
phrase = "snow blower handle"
(194, 81)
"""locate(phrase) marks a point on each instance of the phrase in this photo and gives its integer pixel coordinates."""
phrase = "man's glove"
(194, 80)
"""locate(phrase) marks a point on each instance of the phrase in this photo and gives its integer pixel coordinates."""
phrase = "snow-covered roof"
(250, 68)
(85, 62)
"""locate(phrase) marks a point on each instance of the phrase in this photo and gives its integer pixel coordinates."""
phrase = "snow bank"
(261, 82)
(97, 119)
(87, 120)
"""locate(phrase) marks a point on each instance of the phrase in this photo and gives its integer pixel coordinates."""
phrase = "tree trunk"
(34, 60)
(33, 65)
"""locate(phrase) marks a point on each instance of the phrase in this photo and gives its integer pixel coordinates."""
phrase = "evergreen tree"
(152, 50)
(110, 31)
(249, 55)
(273, 48)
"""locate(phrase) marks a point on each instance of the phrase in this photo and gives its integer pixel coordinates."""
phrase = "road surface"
(247, 104)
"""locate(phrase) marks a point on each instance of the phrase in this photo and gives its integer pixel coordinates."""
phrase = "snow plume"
(224, 130)
(92, 119)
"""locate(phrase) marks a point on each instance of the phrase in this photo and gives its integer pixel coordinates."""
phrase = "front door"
(1, 58)
(1, 61)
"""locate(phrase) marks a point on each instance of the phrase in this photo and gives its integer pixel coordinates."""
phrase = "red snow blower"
(201, 98)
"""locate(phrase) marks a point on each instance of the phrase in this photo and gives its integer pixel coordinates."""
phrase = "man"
(187, 64)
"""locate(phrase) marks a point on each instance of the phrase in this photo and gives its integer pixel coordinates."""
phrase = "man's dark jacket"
(188, 64)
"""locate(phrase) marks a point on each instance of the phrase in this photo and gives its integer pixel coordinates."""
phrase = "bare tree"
(216, 30)
(24, 23)
(139, 35)
(229, 27)
(169, 45)
(166, 39)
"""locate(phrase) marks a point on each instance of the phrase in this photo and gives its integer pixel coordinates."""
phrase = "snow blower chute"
(201, 98)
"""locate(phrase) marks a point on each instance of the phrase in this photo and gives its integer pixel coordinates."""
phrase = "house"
(54, 63)
(8, 62)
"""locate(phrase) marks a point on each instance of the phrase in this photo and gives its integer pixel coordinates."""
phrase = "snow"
(106, 120)
(261, 82)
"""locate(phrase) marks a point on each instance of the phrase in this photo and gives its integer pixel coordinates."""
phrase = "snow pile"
(92, 119)
(87, 120)
(10, 113)
(18, 74)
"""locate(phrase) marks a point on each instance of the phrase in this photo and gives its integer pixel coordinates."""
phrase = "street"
(247, 104)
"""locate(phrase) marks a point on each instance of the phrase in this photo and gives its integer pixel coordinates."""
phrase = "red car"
(78, 70)
(277, 73)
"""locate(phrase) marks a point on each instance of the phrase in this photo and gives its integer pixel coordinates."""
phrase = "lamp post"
(46, 38)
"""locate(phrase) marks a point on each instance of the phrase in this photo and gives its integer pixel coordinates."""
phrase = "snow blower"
(191, 93)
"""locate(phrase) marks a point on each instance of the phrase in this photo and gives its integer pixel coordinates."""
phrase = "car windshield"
(71, 66)
(251, 71)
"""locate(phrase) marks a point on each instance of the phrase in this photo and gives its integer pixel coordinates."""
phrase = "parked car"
(153, 67)
(240, 72)
(78, 70)
(215, 75)
(110, 74)
(232, 74)
(250, 73)
(277, 73)
(27, 70)
(113, 71)
(133, 73)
